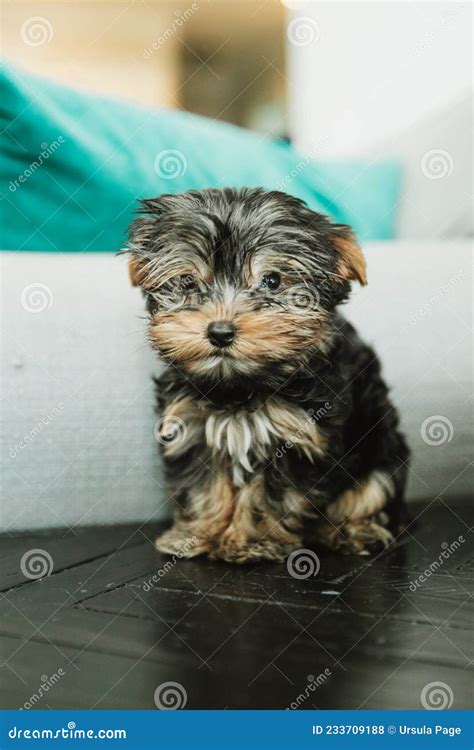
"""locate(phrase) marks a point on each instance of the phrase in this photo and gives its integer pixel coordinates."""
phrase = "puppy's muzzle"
(221, 333)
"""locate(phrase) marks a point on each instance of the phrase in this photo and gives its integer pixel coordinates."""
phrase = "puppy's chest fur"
(243, 440)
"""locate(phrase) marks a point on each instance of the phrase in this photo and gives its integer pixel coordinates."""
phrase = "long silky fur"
(254, 473)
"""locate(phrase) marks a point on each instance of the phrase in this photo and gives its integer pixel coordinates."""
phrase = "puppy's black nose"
(221, 333)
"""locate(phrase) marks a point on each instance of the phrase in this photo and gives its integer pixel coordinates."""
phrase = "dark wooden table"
(359, 634)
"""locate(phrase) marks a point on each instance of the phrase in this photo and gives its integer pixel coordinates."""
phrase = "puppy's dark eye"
(187, 282)
(271, 281)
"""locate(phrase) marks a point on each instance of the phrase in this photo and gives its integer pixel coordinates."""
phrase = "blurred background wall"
(398, 82)
(341, 79)
(220, 58)
(395, 64)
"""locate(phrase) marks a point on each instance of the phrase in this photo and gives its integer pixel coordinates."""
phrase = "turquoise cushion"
(74, 165)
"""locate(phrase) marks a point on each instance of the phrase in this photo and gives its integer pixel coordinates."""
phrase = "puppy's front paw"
(234, 551)
(364, 537)
(180, 542)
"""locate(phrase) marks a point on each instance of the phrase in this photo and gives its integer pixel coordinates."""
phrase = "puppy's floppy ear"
(350, 261)
(136, 270)
(138, 240)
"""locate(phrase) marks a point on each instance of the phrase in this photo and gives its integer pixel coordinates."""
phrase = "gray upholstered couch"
(78, 399)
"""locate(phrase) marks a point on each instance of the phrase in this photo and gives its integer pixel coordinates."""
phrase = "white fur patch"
(248, 436)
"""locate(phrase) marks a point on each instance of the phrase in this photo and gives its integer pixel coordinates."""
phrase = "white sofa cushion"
(78, 406)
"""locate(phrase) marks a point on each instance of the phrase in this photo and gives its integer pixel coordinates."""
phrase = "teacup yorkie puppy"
(276, 426)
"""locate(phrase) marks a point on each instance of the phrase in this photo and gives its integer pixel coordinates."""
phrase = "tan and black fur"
(282, 433)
